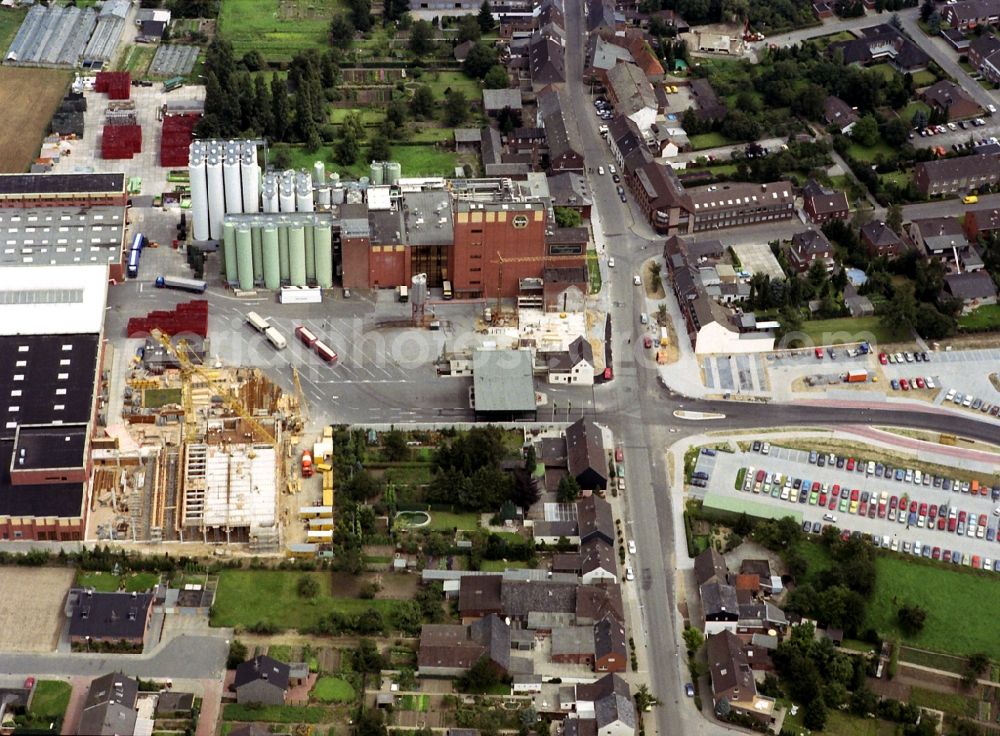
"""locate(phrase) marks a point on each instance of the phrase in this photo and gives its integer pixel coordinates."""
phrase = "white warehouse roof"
(53, 300)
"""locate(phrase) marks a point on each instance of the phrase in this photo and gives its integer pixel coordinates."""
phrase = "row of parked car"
(917, 548)
(920, 357)
(905, 384)
(971, 402)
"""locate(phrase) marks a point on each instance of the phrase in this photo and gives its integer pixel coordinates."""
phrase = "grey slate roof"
(498, 99)
(519, 599)
(262, 667)
(595, 518)
(710, 565)
(597, 554)
(609, 638)
(110, 706)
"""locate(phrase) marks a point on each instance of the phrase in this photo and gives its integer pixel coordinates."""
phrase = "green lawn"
(501, 565)
(849, 329)
(446, 521)
(951, 598)
(432, 135)
(441, 82)
(280, 652)
(910, 110)
(137, 60)
(277, 28)
(155, 398)
(414, 702)
(50, 699)
(277, 713)
(867, 154)
(369, 116)
(594, 269)
(985, 317)
(247, 597)
(899, 178)
(416, 160)
(708, 140)
(951, 703)
(333, 690)
(886, 71)
(107, 583)
(10, 21)
(840, 724)
(924, 78)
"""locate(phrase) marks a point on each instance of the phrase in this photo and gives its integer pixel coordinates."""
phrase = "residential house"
(762, 569)
(601, 18)
(461, 51)
(595, 519)
(971, 13)
(632, 94)
(881, 44)
(596, 602)
(598, 561)
(880, 241)
(822, 9)
(496, 101)
(984, 221)
(810, 246)
(113, 618)
(956, 38)
(610, 647)
(608, 702)
(720, 608)
(524, 598)
(573, 645)
(735, 204)
(623, 138)
(565, 149)
(450, 650)
(656, 189)
(956, 175)
(839, 113)
(984, 56)
(586, 458)
(708, 106)
(975, 289)
(857, 304)
(733, 681)
(758, 616)
(603, 55)
(109, 708)
(643, 55)
(939, 236)
(546, 60)
(822, 204)
(571, 189)
(672, 18)
(951, 99)
(262, 681)
(479, 595)
(574, 365)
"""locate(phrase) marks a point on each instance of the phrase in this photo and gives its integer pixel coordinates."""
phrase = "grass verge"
(277, 713)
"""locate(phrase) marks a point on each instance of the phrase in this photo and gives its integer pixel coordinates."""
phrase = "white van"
(644, 318)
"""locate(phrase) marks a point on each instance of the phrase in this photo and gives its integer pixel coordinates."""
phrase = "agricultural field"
(277, 28)
(32, 623)
(950, 598)
(249, 597)
(26, 124)
(10, 21)
(136, 59)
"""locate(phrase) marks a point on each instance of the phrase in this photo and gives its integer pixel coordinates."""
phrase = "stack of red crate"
(176, 139)
(121, 141)
(190, 317)
(117, 85)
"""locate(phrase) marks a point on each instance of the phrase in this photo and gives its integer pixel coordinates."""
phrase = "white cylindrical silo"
(258, 260)
(286, 197)
(233, 185)
(216, 197)
(229, 252)
(244, 257)
(322, 242)
(310, 254)
(336, 195)
(272, 267)
(250, 176)
(319, 173)
(270, 194)
(296, 255)
(303, 192)
(199, 191)
(323, 196)
(283, 251)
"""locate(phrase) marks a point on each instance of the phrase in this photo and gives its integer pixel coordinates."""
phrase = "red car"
(854, 494)
(863, 509)
(904, 384)
(816, 486)
(819, 353)
(946, 555)
(647, 342)
(29, 683)
(923, 509)
(850, 463)
(932, 512)
(913, 506)
(883, 358)
(920, 382)
(822, 498)
(962, 516)
(941, 523)
(983, 521)
(620, 455)
(952, 523)
(893, 502)
(936, 553)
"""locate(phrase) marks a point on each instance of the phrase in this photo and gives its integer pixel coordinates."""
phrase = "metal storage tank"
(258, 260)
(250, 176)
(323, 243)
(303, 193)
(310, 255)
(199, 191)
(233, 186)
(375, 171)
(272, 268)
(287, 197)
(319, 173)
(363, 182)
(418, 289)
(323, 196)
(335, 178)
(393, 172)
(270, 195)
(216, 197)
(336, 195)
(244, 257)
(296, 256)
(229, 252)
(283, 252)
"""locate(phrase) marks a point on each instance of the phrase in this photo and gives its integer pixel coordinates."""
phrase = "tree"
(237, 654)
(468, 29)
(894, 217)
(307, 587)
(645, 699)
(481, 58)
(361, 14)
(530, 459)
(496, 78)
(567, 217)
(481, 677)
(865, 131)
(911, 618)
(456, 108)
(395, 115)
(485, 17)
(253, 60)
(895, 132)
(394, 442)
(815, 715)
(974, 666)
(341, 33)
(279, 108)
(568, 489)
(421, 38)
(693, 639)
(934, 23)
(919, 120)
(926, 10)
(370, 722)
(900, 312)
(896, 22)
(366, 658)
(526, 491)
(360, 487)
(422, 104)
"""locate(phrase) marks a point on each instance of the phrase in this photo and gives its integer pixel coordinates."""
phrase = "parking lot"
(736, 373)
(964, 371)
(972, 513)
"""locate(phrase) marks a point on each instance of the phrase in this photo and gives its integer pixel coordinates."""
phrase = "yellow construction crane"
(188, 369)
(300, 397)
(523, 259)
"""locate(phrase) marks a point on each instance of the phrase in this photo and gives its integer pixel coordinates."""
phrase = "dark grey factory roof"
(110, 706)
(568, 234)
(50, 446)
(262, 667)
(503, 380)
(51, 377)
(61, 183)
(428, 218)
(498, 99)
(61, 500)
(110, 615)
(354, 220)
(59, 235)
(386, 227)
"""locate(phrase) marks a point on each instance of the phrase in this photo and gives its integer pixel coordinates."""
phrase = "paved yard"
(758, 258)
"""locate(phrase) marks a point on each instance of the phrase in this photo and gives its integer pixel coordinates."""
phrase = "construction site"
(206, 453)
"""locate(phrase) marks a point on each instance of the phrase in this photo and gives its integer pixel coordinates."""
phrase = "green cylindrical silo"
(296, 256)
(272, 269)
(244, 258)
(258, 257)
(229, 252)
(283, 253)
(310, 255)
(324, 256)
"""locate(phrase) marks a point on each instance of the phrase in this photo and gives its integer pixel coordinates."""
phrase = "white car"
(950, 395)
(611, 263)
(636, 280)
(766, 448)
(611, 169)
(631, 546)
(991, 108)
(600, 170)
(629, 573)
(929, 382)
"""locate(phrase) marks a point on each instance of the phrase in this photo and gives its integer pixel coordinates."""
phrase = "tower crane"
(300, 397)
(500, 261)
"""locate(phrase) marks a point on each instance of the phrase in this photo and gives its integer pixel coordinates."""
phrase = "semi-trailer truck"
(179, 282)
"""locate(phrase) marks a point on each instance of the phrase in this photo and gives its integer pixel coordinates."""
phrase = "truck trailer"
(860, 376)
(179, 282)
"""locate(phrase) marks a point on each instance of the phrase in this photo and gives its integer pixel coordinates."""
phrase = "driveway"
(75, 708)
